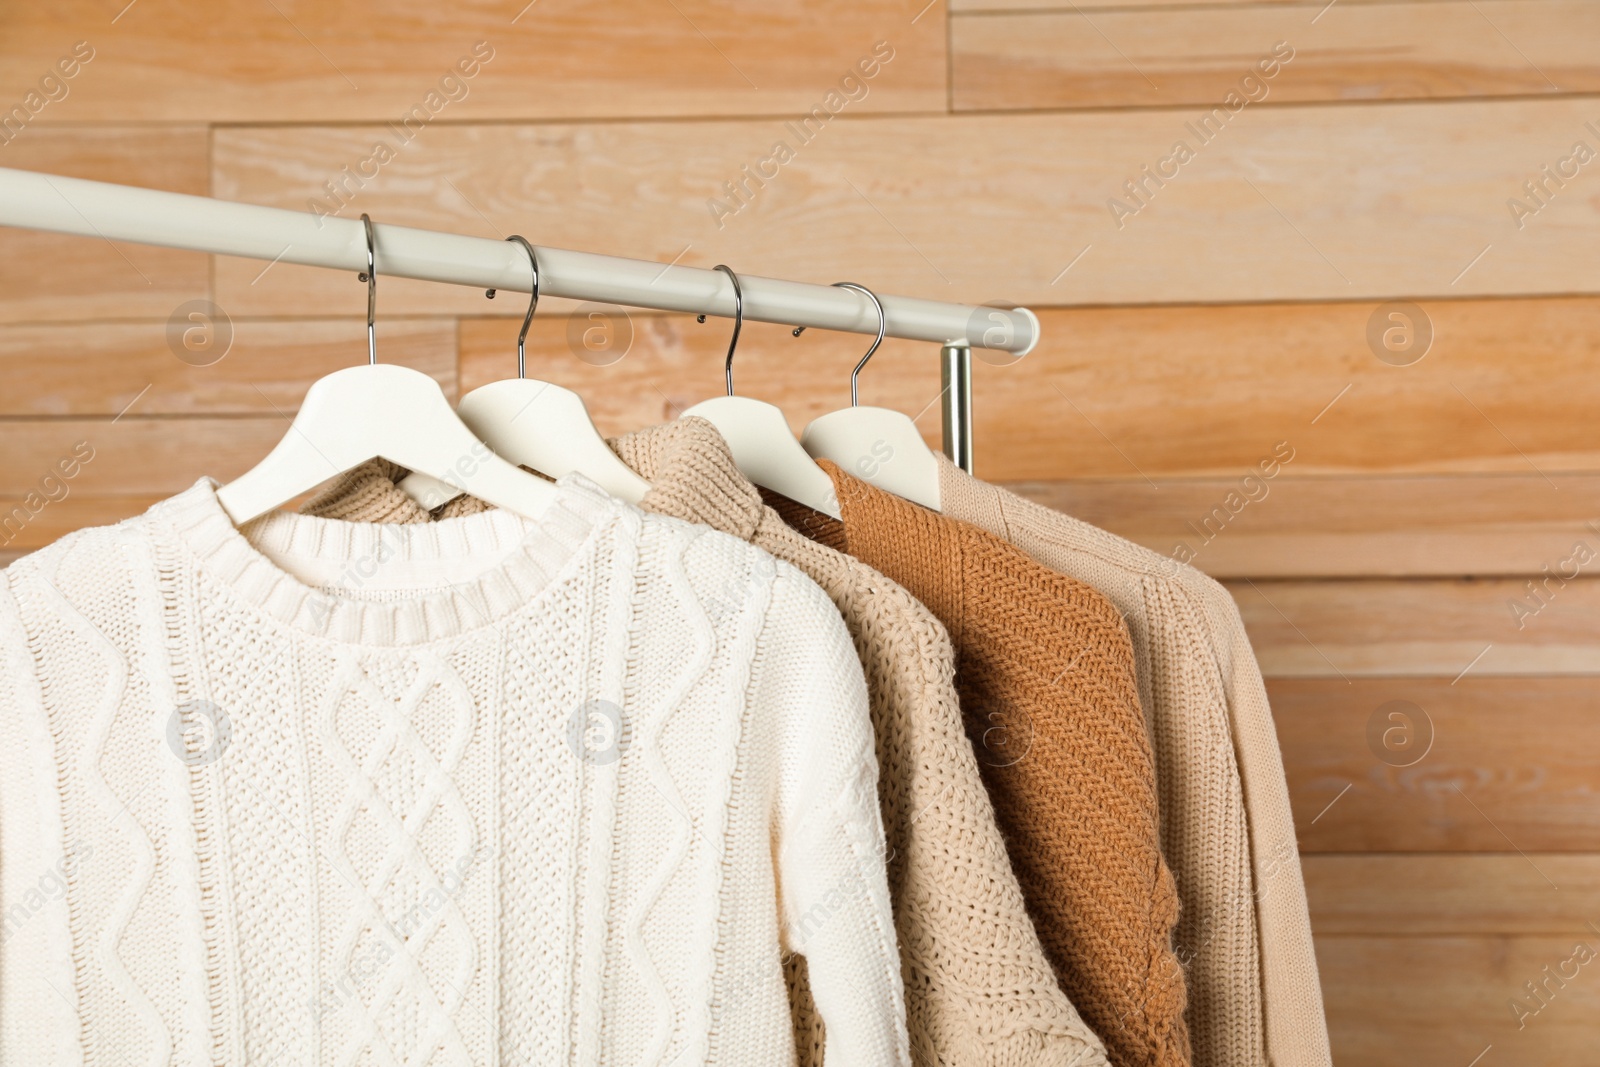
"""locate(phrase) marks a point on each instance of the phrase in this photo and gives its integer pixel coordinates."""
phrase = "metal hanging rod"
(176, 220)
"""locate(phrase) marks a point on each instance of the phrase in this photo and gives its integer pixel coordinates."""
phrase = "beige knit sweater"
(1244, 933)
(979, 990)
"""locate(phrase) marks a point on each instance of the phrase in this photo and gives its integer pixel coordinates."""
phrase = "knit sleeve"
(1297, 1030)
(35, 953)
(828, 834)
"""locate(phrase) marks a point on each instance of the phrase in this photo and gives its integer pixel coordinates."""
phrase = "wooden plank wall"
(1214, 273)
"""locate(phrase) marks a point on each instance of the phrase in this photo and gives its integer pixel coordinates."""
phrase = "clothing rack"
(38, 201)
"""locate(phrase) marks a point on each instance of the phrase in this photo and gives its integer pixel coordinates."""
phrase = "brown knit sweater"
(979, 990)
(1045, 671)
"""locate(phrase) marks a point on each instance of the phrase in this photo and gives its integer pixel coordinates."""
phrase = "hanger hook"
(533, 302)
(371, 278)
(738, 322)
(882, 325)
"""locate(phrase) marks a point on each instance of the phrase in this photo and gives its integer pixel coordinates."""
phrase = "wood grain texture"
(203, 366)
(1488, 764)
(134, 457)
(963, 7)
(1440, 1001)
(1153, 57)
(1421, 626)
(1452, 894)
(1145, 395)
(1343, 527)
(1308, 203)
(235, 61)
(1192, 398)
(47, 277)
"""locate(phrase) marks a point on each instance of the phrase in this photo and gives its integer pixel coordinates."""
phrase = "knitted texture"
(979, 990)
(369, 494)
(485, 791)
(1045, 672)
(1244, 933)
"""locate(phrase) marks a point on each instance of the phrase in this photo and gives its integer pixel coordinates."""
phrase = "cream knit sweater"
(1244, 933)
(979, 992)
(485, 791)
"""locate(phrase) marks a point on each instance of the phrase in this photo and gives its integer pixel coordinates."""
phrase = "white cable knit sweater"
(485, 791)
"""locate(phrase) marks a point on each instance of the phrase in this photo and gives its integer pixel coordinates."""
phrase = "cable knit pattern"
(1045, 671)
(979, 991)
(489, 790)
(1244, 933)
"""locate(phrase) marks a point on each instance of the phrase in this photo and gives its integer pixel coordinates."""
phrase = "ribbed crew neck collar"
(522, 557)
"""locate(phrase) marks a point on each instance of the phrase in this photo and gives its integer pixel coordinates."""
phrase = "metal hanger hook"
(371, 278)
(738, 322)
(533, 302)
(882, 326)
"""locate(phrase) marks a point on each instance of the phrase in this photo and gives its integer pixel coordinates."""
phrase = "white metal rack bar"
(39, 201)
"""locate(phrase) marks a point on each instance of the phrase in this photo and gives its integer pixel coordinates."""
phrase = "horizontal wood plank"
(247, 62)
(1311, 7)
(1154, 57)
(134, 457)
(1190, 398)
(964, 7)
(1443, 1001)
(1487, 764)
(1343, 527)
(1469, 627)
(47, 277)
(1418, 894)
(208, 364)
(1286, 204)
(1145, 395)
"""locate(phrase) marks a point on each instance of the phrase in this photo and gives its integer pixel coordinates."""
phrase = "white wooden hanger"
(878, 445)
(763, 446)
(380, 410)
(535, 424)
